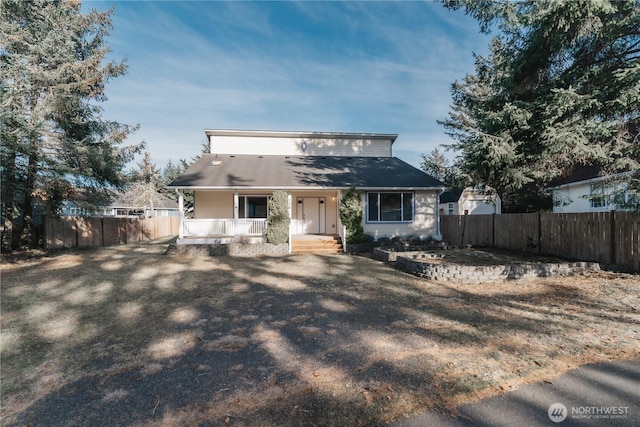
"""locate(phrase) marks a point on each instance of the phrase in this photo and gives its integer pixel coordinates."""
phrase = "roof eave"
(299, 134)
(298, 188)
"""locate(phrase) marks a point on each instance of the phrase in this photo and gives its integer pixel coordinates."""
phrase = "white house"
(586, 190)
(231, 185)
(116, 204)
(470, 201)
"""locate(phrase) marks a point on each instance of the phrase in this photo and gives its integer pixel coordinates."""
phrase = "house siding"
(213, 204)
(424, 225)
(292, 146)
(574, 198)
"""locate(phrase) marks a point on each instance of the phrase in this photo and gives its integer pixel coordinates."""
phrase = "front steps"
(316, 244)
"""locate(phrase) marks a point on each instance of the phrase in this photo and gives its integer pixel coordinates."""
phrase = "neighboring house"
(586, 190)
(118, 205)
(470, 201)
(232, 183)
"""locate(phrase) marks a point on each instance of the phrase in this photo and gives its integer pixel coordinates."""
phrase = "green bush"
(351, 216)
(278, 218)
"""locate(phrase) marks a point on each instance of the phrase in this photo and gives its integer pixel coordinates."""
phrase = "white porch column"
(289, 205)
(181, 213)
(235, 205)
(438, 235)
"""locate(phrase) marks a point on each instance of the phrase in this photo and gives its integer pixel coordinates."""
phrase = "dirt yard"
(129, 336)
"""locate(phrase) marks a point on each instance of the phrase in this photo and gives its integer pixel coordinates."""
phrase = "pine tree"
(169, 173)
(560, 89)
(146, 181)
(53, 72)
(438, 166)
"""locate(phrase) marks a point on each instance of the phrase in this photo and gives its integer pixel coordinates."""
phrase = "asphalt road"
(602, 394)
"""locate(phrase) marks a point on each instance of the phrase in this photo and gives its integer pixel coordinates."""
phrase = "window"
(450, 208)
(252, 207)
(598, 197)
(389, 207)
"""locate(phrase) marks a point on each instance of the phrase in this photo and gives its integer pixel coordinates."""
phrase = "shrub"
(278, 218)
(351, 216)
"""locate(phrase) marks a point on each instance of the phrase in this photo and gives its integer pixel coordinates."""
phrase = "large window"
(252, 206)
(389, 207)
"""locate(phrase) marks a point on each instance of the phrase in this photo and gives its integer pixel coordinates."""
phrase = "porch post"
(181, 213)
(290, 217)
(235, 205)
(438, 232)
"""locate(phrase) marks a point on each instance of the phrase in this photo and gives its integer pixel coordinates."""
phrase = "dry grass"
(128, 336)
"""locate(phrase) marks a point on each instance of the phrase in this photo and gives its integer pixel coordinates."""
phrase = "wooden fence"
(69, 232)
(605, 237)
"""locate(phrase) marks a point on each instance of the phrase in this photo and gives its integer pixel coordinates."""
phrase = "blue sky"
(301, 66)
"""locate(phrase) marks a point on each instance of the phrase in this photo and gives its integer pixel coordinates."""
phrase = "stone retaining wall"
(415, 263)
(390, 254)
(238, 249)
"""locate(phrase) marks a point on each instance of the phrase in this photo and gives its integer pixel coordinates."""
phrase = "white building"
(471, 201)
(586, 190)
(232, 183)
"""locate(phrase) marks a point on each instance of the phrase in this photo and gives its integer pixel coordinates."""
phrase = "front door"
(311, 212)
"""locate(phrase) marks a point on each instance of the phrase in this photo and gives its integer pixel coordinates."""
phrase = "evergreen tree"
(438, 166)
(147, 173)
(560, 89)
(53, 72)
(169, 173)
(435, 164)
(278, 218)
(146, 181)
(350, 212)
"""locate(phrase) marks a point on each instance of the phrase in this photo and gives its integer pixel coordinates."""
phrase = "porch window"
(390, 207)
(252, 206)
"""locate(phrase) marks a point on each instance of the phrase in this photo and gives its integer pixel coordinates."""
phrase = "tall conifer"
(53, 72)
(559, 89)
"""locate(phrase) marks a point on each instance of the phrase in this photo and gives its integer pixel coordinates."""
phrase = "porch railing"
(222, 227)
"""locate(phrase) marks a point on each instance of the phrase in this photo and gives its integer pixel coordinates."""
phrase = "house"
(232, 183)
(478, 200)
(118, 204)
(588, 190)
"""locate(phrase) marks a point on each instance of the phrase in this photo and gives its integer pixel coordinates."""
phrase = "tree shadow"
(122, 336)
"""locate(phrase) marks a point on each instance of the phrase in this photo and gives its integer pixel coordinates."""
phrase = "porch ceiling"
(292, 172)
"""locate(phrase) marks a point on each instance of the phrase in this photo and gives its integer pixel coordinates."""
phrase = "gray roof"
(160, 201)
(450, 196)
(215, 171)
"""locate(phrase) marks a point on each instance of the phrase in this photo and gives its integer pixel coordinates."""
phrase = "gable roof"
(213, 171)
(451, 196)
(580, 173)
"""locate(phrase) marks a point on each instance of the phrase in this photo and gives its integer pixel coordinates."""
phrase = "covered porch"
(223, 216)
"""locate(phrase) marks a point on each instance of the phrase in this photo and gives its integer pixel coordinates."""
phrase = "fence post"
(612, 237)
(493, 230)
(539, 232)
(464, 226)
